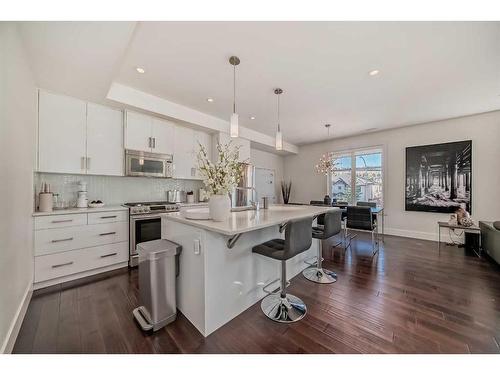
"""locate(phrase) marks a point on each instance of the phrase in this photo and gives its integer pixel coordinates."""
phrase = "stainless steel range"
(145, 224)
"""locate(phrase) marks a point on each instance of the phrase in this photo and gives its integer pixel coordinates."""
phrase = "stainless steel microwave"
(146, 164)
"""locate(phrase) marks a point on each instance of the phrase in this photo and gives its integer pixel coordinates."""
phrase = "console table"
(472, 229)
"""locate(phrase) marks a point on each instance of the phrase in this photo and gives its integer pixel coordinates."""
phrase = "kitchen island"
(219, 275)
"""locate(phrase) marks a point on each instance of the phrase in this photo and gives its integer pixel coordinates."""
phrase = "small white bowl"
(96, 205)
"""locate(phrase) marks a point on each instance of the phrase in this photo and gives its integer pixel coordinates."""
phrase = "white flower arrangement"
(223, 175)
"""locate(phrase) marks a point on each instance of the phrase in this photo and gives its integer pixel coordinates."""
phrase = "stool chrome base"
(284, 310)
(319, 275)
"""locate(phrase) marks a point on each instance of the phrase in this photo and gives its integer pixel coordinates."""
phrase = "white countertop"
(74, 210)
(247, 221)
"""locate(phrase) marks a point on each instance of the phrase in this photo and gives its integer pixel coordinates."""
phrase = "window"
(358, 176)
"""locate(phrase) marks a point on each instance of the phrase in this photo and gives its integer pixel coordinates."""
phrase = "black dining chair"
(367, 204)
(371, 205)
(360, 218)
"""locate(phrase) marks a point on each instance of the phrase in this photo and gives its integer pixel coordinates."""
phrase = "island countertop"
(247, 221)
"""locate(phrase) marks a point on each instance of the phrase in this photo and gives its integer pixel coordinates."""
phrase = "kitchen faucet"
(255, 199)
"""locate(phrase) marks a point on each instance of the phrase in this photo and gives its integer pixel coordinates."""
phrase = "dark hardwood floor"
(407, 299)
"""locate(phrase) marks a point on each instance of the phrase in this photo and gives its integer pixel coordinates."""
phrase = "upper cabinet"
(149, 134)
(242, 143)
(138, 132)
(162, 132)
(85, 138)
(78, 137)
(105, 153)
(204, 139)
(61, 134)
(186, 148)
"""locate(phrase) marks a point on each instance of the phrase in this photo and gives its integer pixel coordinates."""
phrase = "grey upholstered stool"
(332, 225)
(283, 307)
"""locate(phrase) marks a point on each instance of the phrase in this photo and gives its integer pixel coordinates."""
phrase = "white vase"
(219, 207)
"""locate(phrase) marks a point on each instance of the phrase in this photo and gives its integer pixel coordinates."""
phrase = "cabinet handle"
(88, 163)
(107, 234)
(62, 265)
(83, 160)
(62, 221)
(108, 255)
(154, 142)
(108, 217)
(63, 239)
(149, 142)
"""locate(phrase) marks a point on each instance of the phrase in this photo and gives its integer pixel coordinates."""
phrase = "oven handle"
(143, 217)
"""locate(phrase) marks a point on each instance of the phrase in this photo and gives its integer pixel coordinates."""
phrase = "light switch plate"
(196, 247)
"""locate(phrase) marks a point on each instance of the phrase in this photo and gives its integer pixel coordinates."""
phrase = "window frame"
(353, 152)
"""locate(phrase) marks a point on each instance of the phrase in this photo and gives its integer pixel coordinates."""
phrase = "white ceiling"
(428, 70)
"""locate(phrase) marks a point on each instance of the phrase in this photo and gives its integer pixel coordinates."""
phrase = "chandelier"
(327, 163)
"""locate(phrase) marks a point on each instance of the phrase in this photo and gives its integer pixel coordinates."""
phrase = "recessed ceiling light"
(140, 70)
(210, 100)
(374, 72)
(252, 117)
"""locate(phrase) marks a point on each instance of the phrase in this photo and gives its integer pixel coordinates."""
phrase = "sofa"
(490, 238)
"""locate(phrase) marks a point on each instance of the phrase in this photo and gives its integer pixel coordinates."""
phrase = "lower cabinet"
(53, 266)
(86, 248)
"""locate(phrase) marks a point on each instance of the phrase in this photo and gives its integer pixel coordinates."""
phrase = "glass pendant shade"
(279, 140)
(234, 130)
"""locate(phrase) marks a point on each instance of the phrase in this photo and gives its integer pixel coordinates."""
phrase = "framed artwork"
(439, 177)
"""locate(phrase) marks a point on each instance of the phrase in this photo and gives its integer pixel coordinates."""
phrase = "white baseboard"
(15, 326)
(445, 235)
(412, 234)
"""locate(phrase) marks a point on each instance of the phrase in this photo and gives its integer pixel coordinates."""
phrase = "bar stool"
(332, 225)
(282, 307)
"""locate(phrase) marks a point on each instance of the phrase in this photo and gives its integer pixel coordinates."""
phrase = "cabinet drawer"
(60, 221)
(51, 266)
(101, 234)
(50, 241)
(107, 217)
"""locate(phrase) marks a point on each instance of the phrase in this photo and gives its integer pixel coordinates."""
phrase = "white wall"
(17, 145)
(482, 129)
(263, 159)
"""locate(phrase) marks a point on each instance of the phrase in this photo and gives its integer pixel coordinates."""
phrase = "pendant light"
(234, 128)
(279, 135)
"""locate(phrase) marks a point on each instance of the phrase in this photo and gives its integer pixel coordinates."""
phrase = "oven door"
(143, 228)
(147, 164)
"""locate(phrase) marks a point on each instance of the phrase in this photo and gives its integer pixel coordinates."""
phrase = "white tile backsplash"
(114, 189)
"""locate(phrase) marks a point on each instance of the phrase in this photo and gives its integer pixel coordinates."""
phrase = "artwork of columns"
(439, 177)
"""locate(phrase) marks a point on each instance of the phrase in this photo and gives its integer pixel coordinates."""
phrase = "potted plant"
(220, 178)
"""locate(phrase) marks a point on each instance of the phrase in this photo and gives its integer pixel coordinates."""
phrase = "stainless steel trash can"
(158, 268)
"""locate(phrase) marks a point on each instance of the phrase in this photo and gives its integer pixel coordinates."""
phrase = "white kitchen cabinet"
(138, 132)
(149, 134)
(162, 132)
(204, 139)
(242, 143)
(183, 153)
(78, 137)
(61, 134)
(105, 155)
(186, 148)
(95, 242)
